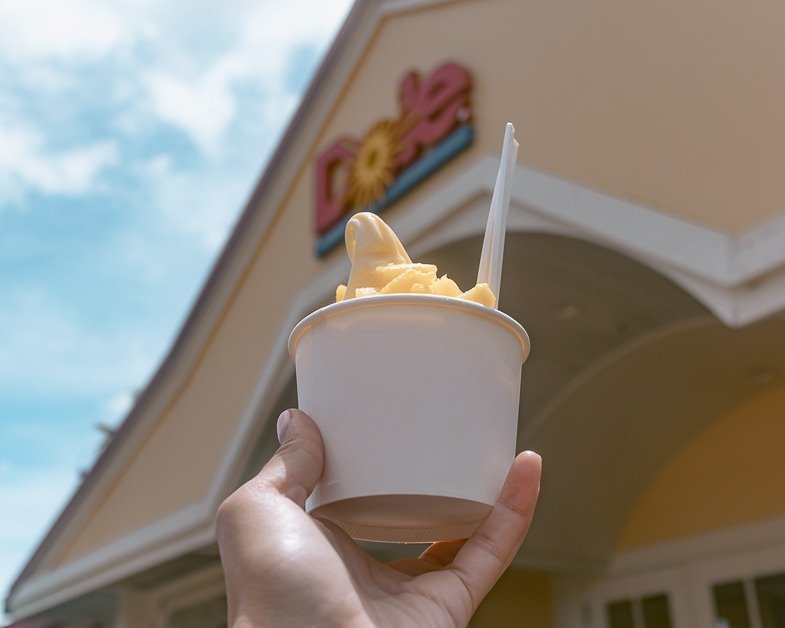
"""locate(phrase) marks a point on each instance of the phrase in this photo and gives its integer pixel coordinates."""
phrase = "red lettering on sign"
(332, 168)
(433, 109)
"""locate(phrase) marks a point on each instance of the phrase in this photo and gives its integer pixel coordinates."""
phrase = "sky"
(131, 135)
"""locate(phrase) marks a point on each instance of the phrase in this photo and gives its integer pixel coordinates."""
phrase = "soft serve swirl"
(380, 265)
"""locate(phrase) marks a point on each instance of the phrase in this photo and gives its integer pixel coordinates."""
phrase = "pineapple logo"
(374, 168)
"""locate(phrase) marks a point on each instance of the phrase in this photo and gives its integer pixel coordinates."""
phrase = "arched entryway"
(627, 370)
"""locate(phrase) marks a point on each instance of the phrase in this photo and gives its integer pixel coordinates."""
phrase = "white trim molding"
(749, 537)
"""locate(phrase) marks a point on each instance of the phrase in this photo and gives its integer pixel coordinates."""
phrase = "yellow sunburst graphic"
(374, 167)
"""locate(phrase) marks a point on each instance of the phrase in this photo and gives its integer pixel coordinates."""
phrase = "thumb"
(297, 465)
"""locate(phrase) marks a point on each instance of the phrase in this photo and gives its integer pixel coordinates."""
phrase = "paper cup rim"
(419, 300)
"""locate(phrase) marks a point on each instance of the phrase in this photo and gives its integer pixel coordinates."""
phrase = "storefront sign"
(394, 156)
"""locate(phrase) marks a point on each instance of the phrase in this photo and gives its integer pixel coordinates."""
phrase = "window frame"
(744, 565)
(686, 569)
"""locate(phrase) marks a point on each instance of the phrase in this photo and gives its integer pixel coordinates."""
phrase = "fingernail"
(283, 422)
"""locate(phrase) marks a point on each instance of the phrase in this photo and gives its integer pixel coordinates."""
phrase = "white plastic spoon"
(492, 256)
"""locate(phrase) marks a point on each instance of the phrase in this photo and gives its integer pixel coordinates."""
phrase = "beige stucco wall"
(671, 105)
(674, 106)
(731, 474)
(520, 598)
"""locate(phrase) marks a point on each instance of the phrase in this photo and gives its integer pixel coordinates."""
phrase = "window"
(770, 595)
(620, 615)
(730, 605)
(750, 603)
(656, 612)
(649, 612)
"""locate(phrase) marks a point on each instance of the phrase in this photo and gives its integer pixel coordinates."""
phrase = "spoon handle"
(492, 256)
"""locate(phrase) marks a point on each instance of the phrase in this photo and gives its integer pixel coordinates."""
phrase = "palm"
(286, 568)
(412, 591)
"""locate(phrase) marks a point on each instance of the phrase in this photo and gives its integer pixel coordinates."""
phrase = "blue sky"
(131, 134)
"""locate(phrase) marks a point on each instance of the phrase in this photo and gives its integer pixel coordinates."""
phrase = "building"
(645, 256)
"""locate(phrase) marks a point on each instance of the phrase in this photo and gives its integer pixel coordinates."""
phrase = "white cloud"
(41, 29)
(202, 205)
(71, 171)
(203, 101)
(198, 68)
(31, 498)
(46, 350)
(203, 108)
(26, 161)
(269, 27)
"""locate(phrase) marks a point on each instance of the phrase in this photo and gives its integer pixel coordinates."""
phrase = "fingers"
(442, 553)
(297, 465)
(485, 556)
(437, 556)
(410, 566)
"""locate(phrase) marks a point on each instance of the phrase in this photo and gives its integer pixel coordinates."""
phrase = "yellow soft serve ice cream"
(380, 265)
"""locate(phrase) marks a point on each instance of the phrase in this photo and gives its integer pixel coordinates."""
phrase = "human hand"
(285, 568)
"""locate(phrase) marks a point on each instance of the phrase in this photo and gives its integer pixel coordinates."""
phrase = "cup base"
(405, 518)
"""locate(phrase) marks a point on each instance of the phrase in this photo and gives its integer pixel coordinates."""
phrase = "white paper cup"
(416, 397)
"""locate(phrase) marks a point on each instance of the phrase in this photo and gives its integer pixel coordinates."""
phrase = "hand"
(285, 568)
